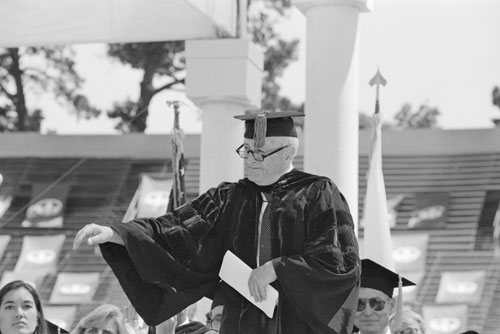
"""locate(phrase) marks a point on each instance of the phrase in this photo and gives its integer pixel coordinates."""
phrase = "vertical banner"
(74, 288)
(445, 319)
(48, 205)
(403, 259)
(392, 207)
(431, 210)
(461, 287)
(4, 241)
(409, 252)
(5, 199)
(153, 195)
(33, 277)
(40, 253)
(62, 316)
(131, 212)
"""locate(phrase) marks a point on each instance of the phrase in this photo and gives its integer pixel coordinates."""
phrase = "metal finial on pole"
(176, 105)
(177, 195)
(377, 80)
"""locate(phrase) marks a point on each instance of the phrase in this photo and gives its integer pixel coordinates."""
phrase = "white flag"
(377, 234)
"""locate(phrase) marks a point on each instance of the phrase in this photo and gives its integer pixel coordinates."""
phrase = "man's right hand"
(94, 234)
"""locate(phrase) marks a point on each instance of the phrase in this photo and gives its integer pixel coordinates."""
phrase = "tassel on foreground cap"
(261, 124)
(397, 324)
(259, 135)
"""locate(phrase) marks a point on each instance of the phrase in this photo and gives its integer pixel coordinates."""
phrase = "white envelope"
(236, 273)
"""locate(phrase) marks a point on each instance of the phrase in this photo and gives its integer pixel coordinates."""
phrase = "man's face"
(267, 171)
(370, 321)
(214, 317)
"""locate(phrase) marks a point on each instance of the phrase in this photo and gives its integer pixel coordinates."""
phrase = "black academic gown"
(193, 327)
(171, 261)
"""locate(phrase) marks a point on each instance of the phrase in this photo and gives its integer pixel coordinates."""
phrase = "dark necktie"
(265, 233)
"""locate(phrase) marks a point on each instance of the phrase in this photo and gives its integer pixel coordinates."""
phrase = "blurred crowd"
(21, 312)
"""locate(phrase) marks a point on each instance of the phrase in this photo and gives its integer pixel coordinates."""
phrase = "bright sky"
(445, 53)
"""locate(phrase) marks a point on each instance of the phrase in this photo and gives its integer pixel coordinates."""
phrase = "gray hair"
(407, 315)
(97, 317)
(293, 142)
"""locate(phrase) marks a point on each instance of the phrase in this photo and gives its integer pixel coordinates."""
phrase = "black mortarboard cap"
(378, 277)
(261, 124)
(54, 329)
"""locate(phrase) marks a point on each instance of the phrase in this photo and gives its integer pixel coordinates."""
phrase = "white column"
(331, 106)
(224, 78)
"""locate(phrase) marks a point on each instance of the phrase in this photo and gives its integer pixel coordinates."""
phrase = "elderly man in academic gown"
(293, 228)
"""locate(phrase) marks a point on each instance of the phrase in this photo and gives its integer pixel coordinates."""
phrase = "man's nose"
(251, 160)
(251, 156)
(368, 310)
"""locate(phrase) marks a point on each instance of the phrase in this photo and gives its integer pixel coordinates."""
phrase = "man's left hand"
(259, 279)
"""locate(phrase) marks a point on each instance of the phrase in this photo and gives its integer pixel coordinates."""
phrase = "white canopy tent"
(49, 22)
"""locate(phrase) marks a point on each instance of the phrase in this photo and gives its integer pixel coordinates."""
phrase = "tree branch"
(6, 92)
(169, 85)
(34, 72)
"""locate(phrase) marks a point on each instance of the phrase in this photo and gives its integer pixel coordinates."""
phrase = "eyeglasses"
(408, 331)
(244, 152)
(376, 304)
(214, 323)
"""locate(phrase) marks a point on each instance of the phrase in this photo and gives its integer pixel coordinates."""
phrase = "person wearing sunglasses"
(375, 300)
(294, 229)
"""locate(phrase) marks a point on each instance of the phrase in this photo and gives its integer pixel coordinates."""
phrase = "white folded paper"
(236, 273)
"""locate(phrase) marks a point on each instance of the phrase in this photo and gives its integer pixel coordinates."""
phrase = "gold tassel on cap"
(260, 129)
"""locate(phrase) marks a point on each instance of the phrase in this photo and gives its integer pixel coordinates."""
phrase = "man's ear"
(392, 303)
(289, 154)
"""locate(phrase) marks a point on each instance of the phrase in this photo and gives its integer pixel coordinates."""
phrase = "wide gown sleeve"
(170, 262)
(321, 284)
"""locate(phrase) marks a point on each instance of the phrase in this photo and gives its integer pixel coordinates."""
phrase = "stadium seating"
(102, 188)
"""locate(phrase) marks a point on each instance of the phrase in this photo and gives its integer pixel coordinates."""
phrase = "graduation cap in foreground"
(54, 329)
(378, 277)
(261, 124)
